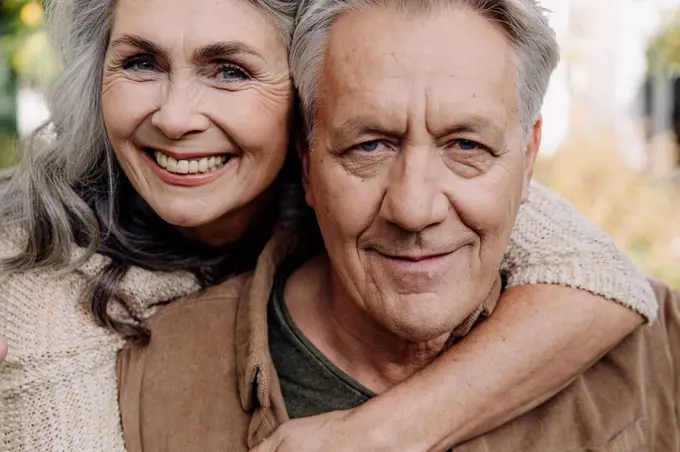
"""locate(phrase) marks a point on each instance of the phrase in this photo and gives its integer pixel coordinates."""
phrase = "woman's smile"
(188, 170)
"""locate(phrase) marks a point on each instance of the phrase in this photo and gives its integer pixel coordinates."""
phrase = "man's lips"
(402, 268)
(420, 258)
(417, 258)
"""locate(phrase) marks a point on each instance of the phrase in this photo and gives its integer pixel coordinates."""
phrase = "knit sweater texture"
(58, 389)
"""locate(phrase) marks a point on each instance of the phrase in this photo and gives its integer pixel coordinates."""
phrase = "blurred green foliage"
(25, 44)
(8, 156)
(664, 50)
(25, 55)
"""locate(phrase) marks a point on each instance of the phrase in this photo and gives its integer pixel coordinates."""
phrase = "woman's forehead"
(178, 24)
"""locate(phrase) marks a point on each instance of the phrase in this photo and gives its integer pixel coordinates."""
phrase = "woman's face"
(197, 101)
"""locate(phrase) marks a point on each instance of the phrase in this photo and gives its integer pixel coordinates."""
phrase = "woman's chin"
(217, 222)
(215, 228)
(189, 218)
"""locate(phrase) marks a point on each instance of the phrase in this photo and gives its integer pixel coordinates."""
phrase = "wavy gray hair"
(68, 187)
(537, 52)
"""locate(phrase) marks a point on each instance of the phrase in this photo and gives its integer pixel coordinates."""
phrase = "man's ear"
(530, 153)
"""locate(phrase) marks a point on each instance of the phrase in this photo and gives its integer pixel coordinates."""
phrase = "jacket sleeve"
(58, 384)
(670, 315)
(552, 243)
(673, 326)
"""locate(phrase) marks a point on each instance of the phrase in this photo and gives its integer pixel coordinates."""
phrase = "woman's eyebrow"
(223, 49)
(201, 54)
(140, 43)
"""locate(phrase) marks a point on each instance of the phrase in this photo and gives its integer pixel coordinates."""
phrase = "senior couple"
(422, 125)
(395, 311)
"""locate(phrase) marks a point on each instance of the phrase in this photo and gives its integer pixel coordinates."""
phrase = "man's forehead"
(383, 63)
(379, 39)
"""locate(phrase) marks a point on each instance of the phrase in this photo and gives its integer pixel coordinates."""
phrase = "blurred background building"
(611, 116)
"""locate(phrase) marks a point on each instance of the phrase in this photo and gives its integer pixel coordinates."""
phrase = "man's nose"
(415, 197)
(177, 115)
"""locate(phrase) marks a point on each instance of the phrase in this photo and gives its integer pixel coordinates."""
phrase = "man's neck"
(347, 336)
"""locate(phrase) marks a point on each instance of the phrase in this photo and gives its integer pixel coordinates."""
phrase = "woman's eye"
(467, 145)
(369, 146)
(143, 63)
(233, 73)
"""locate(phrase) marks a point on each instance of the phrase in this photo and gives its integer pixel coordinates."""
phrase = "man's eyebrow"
(359, 126)
(142, 44)
(223, 49)
(475, 125)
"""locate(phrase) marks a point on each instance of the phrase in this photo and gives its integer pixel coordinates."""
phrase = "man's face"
(418, 165)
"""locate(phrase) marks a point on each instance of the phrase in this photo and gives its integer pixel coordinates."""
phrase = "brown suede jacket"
(206, 382)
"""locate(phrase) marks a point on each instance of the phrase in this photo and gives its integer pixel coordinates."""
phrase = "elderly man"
(421, 152)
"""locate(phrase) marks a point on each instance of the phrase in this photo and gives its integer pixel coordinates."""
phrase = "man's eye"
(467, 145)
(369, 146)
(142, 63)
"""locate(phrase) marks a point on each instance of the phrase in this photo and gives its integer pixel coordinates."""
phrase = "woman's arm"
(3, 349)
(63, 400)
(552, 243)
(538, 340)
(58, 382)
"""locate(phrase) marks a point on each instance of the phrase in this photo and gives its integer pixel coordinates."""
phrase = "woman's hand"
(3, 349)
(337, 431)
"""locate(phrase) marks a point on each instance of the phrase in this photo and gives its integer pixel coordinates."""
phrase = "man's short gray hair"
(525, 22)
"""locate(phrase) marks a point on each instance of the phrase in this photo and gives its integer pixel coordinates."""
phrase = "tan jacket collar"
(253, 360)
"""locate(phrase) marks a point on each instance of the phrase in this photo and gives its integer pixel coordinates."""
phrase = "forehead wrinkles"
(401, 78)
(182, 25)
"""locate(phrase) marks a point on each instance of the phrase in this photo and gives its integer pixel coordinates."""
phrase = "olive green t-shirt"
(310, 383)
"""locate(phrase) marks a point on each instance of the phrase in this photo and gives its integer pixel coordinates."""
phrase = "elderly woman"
(165, 169)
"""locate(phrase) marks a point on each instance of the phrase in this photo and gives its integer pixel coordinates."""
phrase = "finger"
(270, 444)
(3, 349)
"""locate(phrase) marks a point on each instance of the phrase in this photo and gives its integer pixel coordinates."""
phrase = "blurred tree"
(26, 57)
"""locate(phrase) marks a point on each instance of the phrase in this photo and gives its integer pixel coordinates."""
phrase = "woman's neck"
(255, 219)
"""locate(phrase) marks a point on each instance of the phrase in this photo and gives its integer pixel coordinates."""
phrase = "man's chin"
(420, 324)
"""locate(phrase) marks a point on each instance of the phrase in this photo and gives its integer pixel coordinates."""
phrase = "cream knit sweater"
(58, 386)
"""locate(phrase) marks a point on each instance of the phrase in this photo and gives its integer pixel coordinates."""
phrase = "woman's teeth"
(204, 165)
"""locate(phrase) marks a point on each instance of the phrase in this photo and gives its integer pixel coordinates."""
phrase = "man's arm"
(537, 341)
